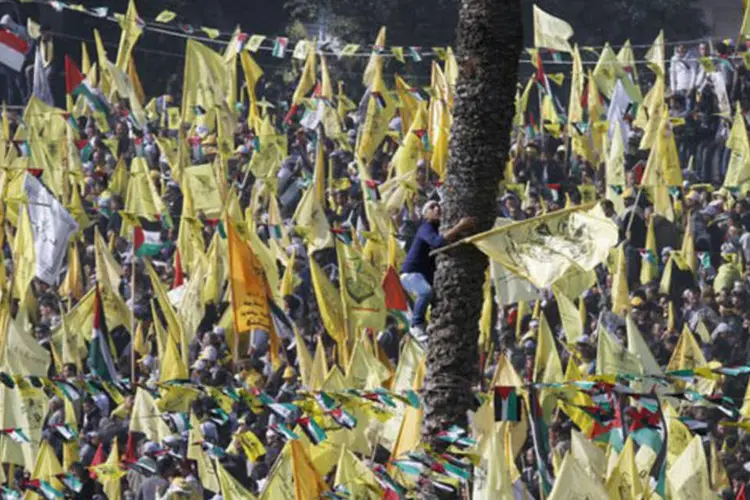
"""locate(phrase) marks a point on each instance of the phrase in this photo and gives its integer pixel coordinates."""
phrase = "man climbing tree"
(490, 37)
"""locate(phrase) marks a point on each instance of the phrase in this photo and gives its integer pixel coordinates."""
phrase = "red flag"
(395, 296)
(73, 76)
(179, 278)
(741, 493)
(130, 456)
(99, 458)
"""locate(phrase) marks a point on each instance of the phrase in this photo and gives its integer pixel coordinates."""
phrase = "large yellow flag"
(207, 80)
(380, 109)
(688, 476)
(544, 248)
(171, 365)
(24, 258)
(687, 353)
(575, 108)
(492, 479)
(319, 371)
(131, 26)
(361, 292)
(356, 477)
(613, 359)
(250, 294)
(365, 371)
(330, 306)
(663, 167)
(738, 172)
(307, 482)
(406, 157)
(204, 190)
(22, 354)
(587, 454)
(146, 417)
(574, 482)
(625, 483)
(47, 467)
(310, 221)
(551, 32)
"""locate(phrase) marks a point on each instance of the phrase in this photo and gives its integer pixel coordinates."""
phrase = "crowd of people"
(201, 410)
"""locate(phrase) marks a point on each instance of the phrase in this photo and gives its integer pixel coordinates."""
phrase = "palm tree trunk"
(490, 37)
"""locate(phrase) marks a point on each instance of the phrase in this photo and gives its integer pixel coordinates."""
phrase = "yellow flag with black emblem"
(361, 293)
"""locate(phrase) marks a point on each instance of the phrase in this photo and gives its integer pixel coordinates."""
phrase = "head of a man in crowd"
(431, 211)
(680, 50)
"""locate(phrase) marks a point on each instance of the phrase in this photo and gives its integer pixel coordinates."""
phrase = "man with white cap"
(419, 267)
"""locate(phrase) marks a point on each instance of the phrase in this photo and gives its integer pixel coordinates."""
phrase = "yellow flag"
(361, 292)
(575, 109)
(365, 371)
(22, 353)
(375, 63)
(231, 488)
(620, 293)
(146, 417)
(307, 79)
(547, 366)
(625, 483)
(687, 354)
(688, 247)
(307, 482)
(380, 109)
(745, 28)
(613, 359)
(174, 325)
(47, 466)
(356, 477)
(319, 371)
(329, 303)
(551, 32)
(251, 445)
(110, 472)
(131, 31)
(171, 365)
(208, 81)
(663, 167)
(544, 248)
(24, 258)
(719, 478)
(570, 318)
(205, 192)
(408, 154)
(574, 400)
(649, 264)
(656, 55)
(70, 448)
(738, 172)
(587, 454)
(250, 295)
(688, 476)
(310, 221)
(574, 480)
(639, 348)
(304, 359)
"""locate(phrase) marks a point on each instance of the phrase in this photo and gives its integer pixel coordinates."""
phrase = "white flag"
(52, 227)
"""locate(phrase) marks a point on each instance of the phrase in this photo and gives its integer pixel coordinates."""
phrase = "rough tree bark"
(490, 37)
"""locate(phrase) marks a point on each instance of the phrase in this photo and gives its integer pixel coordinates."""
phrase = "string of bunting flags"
(280, 46)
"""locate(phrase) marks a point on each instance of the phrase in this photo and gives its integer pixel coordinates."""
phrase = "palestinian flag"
(100, 360)
(312, 430)
(17, 435)
(8, 493)
(343, 418)
(395, 296)
(507, 404)
(76, 84)
(284, 431)
(325, 401)
(71, 482)
(371, 188)
(279, 47)
(147, 240)
(66, 432)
